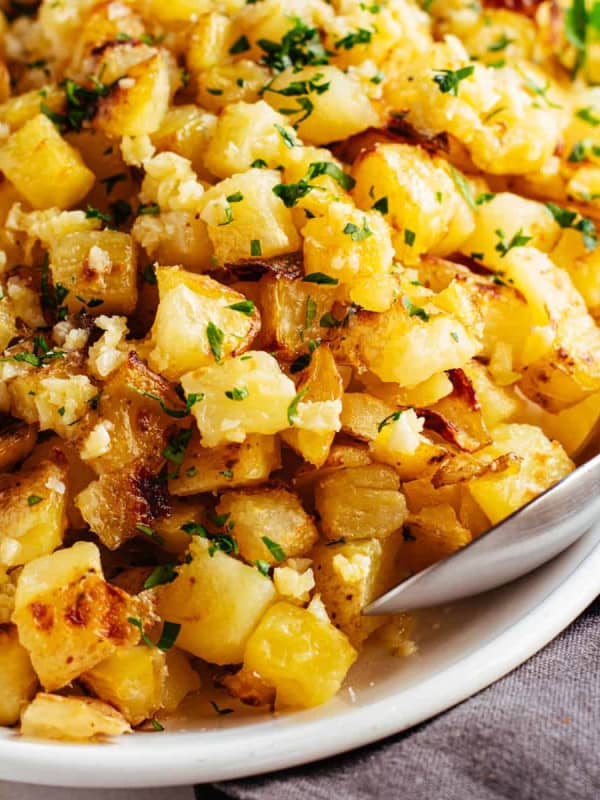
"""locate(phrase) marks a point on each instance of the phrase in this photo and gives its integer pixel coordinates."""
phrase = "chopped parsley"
(241, 45)
(137, 623)
(463, 187)
(177, 413)
(274, 548)
(290, 193)
(149, 275)
(311, 312)
(358, 234)
(246, 307)
(34, 499)
(255, 247)
(215, 338)
(350, 40)
(587, 115)
(329, 321)
(484, 197)
(287, 137)
(220, 540)
(394, 417)
(292, 412)
(448, 80)
(176, 448)
(146, 529)
(381, 205)
(165, 573)
(518, 240)
(156, 725)
(236, 197)
(148, 209)
(112, 181)
(415, 311)
(259, 163)
(409, 237)
(221, 711)
(95, 213)
(263, 567)
(299, 47)
(41, 354)
(237, 393)
(81, 104)
(501, 43)
(321, 278)
(571, 219)
(168, 637)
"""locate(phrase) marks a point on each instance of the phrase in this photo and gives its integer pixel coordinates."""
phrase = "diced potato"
(218, 602)
(195, 325)
(362, 414)
(543, 463)
(340, 111)
(274, 514)
(253, 221)
(355, 248)
(392, 344)
(260, 404)
(46, 170)
(131, 680)
(175, 237)
(285, 305)
(16, 442)
(51, 716)
(188, 131)
(498, 404)
(318, 417)
(135, 426)
(180, 680)
(400, 443)
(169, 527)
(18, 681)
(209, 41)
(244, 133)
(20, 108)
(426, 210)
(431, 534)
(98, 269)
(305, 658)
(226, 84)
(32, 512)
(207, 469)
(501, 219)
(69, 619)
(249, 687)
(142, 499)
(360, 502)
(136, 104)
(582, 265)
(351, 575)
(175, 11)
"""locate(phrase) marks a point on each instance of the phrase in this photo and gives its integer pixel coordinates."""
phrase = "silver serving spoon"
(527, 539)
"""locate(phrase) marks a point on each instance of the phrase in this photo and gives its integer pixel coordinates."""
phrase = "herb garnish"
(448, 80)
(274, 548)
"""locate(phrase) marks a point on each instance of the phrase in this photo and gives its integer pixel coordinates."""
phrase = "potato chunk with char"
(305, 658)
(360, 502)
(131, 680)
(542, 464)
(43, 167)
(351, 575)
(17, 440)
(18, 681)
(32, 512)
(275, 514)
(98, 268)
(341, 110)
(51, 716)
(218, 602)
(246, 219)
(69, 619)
(247, 394)
(431, 534)
(195, 324)
(208, 469)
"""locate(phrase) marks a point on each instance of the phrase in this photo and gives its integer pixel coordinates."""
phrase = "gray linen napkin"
(534, 735)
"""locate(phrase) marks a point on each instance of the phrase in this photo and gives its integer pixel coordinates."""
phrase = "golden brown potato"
(52, 716)
(17, 440)
(18, 681)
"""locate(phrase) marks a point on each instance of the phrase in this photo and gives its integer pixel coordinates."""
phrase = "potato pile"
(297, 298)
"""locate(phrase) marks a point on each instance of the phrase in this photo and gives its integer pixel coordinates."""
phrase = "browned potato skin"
(16, 443)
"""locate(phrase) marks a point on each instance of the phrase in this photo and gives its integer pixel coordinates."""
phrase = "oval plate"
(470, 645)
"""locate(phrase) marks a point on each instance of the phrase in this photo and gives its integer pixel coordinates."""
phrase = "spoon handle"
(519, 544)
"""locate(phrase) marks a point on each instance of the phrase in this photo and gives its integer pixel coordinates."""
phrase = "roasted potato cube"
(131, 679)
(246, 219)
(273, 514)
(98, 268)
(188, 131)
(18, 681)
(32, 512)
(17, 440)
(136, 104)
(304, 657)
(362, 413)
(400, 443)
(180, 680)
(412, 182)
(142, 499)
(542, 464)
(244, 133)
(318, 417)
(195, 325)
(218, 602)
(247, 394)
(360, 502)
(209, 469)
(429, 535)
(175, 237)
(337, 113)
(170, 527)
(52, 716)
(287, 306)
(46, 170)
(69, 619)
(130, 411)
(351, 575)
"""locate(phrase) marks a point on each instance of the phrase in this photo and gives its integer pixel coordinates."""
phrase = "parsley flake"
(274, 548)
(448, 80)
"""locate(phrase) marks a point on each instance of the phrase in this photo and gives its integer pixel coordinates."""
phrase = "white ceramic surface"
(471, 645)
